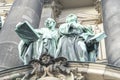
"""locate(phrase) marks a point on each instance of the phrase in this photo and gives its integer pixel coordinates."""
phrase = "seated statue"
(36, 41)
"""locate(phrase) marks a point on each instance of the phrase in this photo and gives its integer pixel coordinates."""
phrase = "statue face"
(50, 23)
(71, 18)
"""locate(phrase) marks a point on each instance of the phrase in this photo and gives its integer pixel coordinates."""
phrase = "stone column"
(111, 21)
(51, 9)
(22, 10)
(47, 12)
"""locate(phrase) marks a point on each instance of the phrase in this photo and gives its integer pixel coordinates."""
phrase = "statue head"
(50, 23)
(71, 18)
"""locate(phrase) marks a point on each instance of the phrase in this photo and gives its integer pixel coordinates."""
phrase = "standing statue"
(49, 38)
(71, 44)
(78, 42)
(36, 41)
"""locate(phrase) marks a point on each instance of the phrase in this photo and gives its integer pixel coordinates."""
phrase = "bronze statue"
(72, 41)
(36, 41)
(78, 42)
(71, 44)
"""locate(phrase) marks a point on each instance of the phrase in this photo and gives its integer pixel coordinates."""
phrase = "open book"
(98, 37)
(26, 32)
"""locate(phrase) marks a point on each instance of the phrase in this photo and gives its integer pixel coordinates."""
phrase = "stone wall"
(7, 1)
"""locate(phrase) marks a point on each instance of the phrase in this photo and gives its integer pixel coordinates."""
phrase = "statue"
(71, 44)
(73, 41)
(92, 42)
(49, 38)
(36, 41)
(78, 42)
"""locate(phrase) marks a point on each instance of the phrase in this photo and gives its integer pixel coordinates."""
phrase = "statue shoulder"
(41, 31)
(63, 28)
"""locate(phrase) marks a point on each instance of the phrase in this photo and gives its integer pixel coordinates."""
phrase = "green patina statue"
(36, 41)
(73, 41)
(78, 42)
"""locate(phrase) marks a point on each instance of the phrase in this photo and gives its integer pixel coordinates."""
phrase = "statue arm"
(87, 29)
(87, 32)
